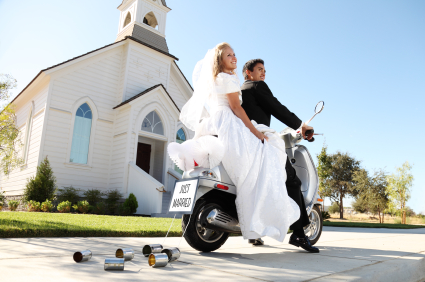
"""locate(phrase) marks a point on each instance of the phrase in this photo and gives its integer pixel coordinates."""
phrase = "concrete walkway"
(347, 254)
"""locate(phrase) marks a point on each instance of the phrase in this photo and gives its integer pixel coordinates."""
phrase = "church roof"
(145, 92)
(150, 38)
(162, 1)
(188, 83)
(139, 40)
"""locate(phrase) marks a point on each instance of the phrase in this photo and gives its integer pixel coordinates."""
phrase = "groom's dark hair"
(250, 65)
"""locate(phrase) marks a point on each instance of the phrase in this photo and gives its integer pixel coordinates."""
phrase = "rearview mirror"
(319, 107)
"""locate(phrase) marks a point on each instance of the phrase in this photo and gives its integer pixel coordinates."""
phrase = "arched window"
(127, 19)
(152, 123)
(27, 136)
(150, 20)
(81, 135)
(180, 138)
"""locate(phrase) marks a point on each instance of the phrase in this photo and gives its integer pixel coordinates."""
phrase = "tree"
(372, 191)
(337, 178)
(10, 141)
(323, 170)
(410, 211)
(43, 186)
(360, 205)
(131, 203)
(398, 188)
(334, 208)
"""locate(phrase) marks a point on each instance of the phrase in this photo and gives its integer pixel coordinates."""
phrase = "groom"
(260, 104)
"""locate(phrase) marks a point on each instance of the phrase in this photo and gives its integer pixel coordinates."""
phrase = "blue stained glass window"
(180, 138)
(81, 135)
(152, 123)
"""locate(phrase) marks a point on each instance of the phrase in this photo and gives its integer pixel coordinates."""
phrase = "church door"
(143, 158)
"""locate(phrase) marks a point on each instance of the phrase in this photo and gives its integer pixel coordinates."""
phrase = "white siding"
(14, 183)
(143, 72)
(176, 94)
(105, 79)
(119, 145)
(98, 80)
(121, 85)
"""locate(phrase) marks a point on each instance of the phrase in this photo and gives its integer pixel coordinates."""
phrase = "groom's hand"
(304, 128)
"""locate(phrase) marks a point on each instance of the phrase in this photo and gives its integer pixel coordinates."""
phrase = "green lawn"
(39, 224)
(371, 225)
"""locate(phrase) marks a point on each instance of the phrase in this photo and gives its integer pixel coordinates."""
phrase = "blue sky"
(365, 59)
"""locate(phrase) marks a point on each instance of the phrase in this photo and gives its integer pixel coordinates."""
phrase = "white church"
(104, 119)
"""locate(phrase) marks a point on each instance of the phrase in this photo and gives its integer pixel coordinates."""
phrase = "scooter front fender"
(307, 173)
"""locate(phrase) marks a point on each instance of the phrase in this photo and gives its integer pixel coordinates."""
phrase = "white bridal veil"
(203, 82)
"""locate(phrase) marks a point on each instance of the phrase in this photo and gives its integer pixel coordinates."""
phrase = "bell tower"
(150, 15)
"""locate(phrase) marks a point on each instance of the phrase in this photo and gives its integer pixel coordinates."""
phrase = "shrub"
(46, 206)
(124, 210)
(64, 206)
(334, 208)
(131, 203)
(13, 205)
(82, 206)
(2, 198)
(43, 186)
(33, 206)
(69, 194)
(99, 208)
(112, 198)
(93, 196)
(325, 215)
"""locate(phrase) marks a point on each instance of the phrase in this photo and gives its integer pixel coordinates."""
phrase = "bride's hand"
(261, 136)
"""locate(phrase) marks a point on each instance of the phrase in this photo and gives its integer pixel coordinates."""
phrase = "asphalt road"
(346, 254)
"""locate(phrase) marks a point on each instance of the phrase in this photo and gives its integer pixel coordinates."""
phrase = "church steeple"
(148, 14)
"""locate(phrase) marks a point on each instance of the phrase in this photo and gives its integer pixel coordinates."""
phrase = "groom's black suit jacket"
(260, 104)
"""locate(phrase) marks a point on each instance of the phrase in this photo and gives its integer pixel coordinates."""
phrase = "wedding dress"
(257, 170)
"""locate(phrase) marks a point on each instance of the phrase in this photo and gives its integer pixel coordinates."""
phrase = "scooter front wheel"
(314, 230)
(196, 235)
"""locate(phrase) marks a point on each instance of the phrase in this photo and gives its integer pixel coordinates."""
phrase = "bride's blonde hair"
(218, 60)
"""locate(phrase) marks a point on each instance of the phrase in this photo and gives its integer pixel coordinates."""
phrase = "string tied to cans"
(159, 257)
(156, 254)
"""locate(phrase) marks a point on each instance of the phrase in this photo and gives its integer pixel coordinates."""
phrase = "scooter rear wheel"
(199, 237)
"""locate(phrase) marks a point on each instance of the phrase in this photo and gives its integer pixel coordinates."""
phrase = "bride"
(254, 160)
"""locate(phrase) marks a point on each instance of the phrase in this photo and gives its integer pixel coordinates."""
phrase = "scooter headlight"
(209, 174)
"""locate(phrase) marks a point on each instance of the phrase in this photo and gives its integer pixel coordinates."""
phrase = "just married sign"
(184, 196)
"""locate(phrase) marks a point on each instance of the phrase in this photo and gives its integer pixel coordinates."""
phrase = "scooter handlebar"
(308, 132)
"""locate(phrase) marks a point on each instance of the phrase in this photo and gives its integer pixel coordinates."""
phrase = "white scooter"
(214, 215)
